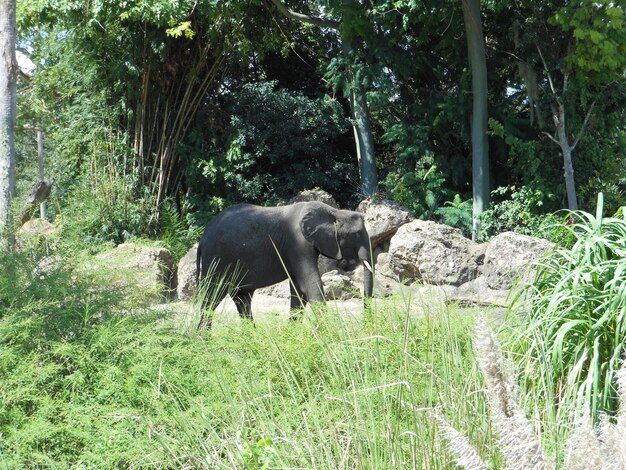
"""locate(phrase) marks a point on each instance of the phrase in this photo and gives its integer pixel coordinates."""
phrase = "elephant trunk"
(368, 280)
(365, 254)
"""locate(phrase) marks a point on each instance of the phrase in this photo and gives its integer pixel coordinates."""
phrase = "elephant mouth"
(348, 264)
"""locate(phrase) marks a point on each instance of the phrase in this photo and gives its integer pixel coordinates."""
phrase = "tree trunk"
(363, 138)
(364, 142)
(480, 144)
(361, 120)
(566, 150)
(8, 81)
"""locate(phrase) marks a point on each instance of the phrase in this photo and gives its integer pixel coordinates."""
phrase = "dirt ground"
(417, 301)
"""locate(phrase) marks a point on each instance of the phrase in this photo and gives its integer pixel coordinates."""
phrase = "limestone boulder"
(434, 253)
(383, 218)
(280, 290)
(186, 274)
(144, 271)
(36, 232)
(385, 281)
(339, 286)
(476, 292)
(510, 255)
(315, 195)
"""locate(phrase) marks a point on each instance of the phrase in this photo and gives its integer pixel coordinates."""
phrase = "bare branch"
(552, 138)
(584, 126)
(314, 20)
(545, 67)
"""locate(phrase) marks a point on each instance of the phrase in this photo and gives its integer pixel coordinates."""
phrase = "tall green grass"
(343, 392)
(573, 315)
(87, 382)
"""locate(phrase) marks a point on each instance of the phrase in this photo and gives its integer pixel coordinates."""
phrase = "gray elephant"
(265, 245)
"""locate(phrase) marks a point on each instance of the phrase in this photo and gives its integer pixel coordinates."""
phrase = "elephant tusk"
(368, 266)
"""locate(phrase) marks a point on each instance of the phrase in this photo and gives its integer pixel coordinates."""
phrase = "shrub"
(107, 210)
(521, 212)
(574, 325)
(420, 189)
(282, 143)
(457, 213)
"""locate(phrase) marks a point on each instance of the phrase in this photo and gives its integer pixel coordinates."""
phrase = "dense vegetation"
(196, 105)
(86, 384)
(158, 114)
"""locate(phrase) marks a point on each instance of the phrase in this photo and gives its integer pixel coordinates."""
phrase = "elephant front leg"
(298, 301)
(305, 289)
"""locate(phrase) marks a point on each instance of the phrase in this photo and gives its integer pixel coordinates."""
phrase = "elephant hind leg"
(243, 301)
(212, 293)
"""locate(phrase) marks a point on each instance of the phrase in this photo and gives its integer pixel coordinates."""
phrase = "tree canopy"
(193, 105)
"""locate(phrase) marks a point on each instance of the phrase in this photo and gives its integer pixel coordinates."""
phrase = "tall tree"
(357, 94)
(561, 137)
(8, 81)
(576, 56)
(480, 145)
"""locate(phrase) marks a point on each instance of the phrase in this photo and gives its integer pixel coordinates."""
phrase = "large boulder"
(315, 195)
(346, 284)
(280, 290)
(434, 253)
(35, 232)
(186, 274)
(148, 271)
(383, 218)
(338, 286)
(510, 255)
(385, 281)
(476, 292)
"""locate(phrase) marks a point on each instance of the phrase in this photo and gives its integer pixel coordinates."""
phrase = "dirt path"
(417, 301)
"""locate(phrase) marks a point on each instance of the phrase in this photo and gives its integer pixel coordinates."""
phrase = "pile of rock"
(407, 251)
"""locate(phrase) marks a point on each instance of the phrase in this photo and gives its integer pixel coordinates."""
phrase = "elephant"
(261, 246)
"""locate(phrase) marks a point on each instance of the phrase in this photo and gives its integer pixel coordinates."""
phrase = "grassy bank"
(86, 381)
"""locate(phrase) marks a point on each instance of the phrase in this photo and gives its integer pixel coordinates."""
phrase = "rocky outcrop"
(435, 254)
(383, 218)
(148, 270)
(315, 195)
(186, 274)
(510, 255)
(406, 250)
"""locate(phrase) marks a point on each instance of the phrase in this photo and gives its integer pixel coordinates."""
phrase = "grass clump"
(588, 447)
(87, 381)
(574, 320)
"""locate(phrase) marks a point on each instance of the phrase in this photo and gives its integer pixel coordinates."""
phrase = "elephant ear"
(319, 227)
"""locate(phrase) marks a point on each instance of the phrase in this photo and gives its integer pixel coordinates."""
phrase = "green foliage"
(85, 382)
(599, 33)
(574, 325)
(176, 235)
(420, 190)
(457, 213)
(520, 151)
(109, 210)
(518, 210)
(282, 143)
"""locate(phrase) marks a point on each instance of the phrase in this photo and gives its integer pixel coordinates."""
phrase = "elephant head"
(341, 235)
